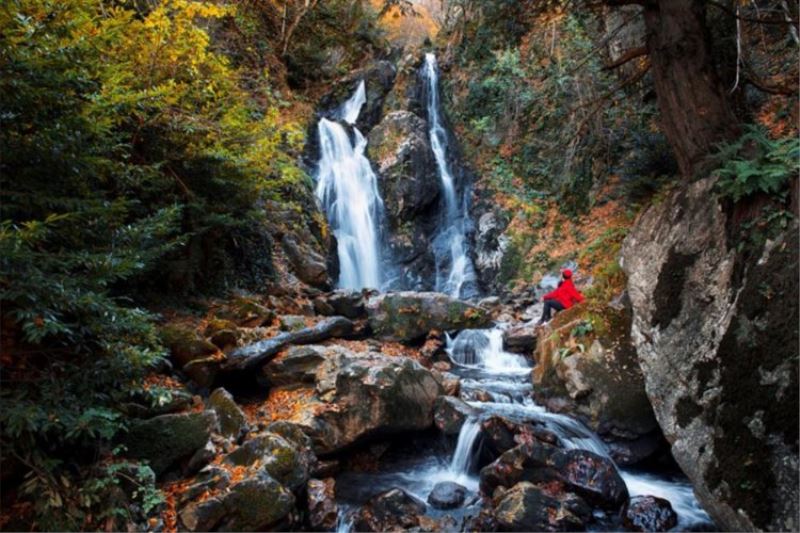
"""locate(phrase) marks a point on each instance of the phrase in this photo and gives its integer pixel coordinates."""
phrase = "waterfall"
(454, 269)
(348, 190)
(462, 457)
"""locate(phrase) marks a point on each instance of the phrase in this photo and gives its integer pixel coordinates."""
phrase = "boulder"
(520, 338)
(279, 457)
(447, 495)
(202, 515)
(192, 354)
(400, 147)
(323, 512)
(309, 266)
(292, 322)
(491, 244)
(715, 314)
(257, 503)
(232, 420)
(392, 510)
(347, 303)
(527, 507)
(450, 413)
(409, 316)
(369, 394)
(648, 513)
(593, 374)
(164, 440)
(296, 366)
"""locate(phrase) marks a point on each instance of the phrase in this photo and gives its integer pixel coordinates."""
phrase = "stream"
(487, 371)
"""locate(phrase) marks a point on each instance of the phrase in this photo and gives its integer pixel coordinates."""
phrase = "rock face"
(716, 335)
(490, 247)
(602, 384)
(408, 316)
(165, 439)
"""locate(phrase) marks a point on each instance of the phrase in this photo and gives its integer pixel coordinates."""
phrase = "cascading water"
(455, 274)
(348, 190)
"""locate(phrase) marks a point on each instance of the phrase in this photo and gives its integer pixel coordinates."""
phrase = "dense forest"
(281, 264)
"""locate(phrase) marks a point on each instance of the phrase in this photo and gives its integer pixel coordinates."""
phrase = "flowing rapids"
(502, 381)
(455, 274)
(348, 190)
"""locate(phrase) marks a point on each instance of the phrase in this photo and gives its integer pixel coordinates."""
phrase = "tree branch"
(629, 55)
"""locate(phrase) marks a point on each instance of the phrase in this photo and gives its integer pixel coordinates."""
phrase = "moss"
(667, 295)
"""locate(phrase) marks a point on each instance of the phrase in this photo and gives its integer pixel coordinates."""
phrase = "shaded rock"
(388, 511)
(259, 353)
(165, 439)
(200, 458)
(491, 245)
(343, 302)
(323, 512)
(406, 316)
(202, 516)
(225, 338)
(447, 495)
(191, 353)
(594, 477)
(715, 316)
(648, 513)
(298, 365)
(256, 504)
(369, 394)
(309, 266)
(451, 384)
(520, 338)
(232, 420)
(279, 457)
(210, 478)
(527, 507)
(449, 414)
(521, 463)
(292, 322)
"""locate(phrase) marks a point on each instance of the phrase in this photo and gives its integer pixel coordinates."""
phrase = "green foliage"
(755, 163)
(582, 329)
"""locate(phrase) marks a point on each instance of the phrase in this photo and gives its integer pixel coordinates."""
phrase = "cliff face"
(716, 336)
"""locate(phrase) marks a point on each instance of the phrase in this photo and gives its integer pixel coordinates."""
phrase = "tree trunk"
(695, 111)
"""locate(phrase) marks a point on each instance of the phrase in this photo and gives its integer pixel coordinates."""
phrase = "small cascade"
(462, 457)
(455, 274)
(348, 190)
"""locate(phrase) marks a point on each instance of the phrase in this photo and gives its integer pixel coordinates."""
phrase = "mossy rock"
(232, 421)
(256, 504)
(165, 439)
(185, 344)
(278, 456)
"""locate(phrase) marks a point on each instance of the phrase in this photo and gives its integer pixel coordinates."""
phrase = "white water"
(462, 457)
(454, 269)
(348, 190)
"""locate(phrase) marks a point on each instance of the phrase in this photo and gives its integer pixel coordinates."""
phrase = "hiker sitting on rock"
(563, 297)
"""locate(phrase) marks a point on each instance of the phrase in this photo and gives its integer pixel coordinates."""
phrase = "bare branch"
(732, 13)
(629, 55)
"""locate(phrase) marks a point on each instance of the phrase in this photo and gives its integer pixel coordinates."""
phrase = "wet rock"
(282, 459)
(521, 463)
(594, 477)
(391, 510)
(232, 420)
(323, 512)
(298, 365)
(648, 513)
(715, 328)
(451, 384)
(450, 413)
(165, 439)
(520, 338)
(447, 495)
(406, 316)
(369, 394)
(309, 266)
(260, 353)
(527, 507)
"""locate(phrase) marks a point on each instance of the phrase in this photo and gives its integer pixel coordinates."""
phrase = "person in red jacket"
(563, 297)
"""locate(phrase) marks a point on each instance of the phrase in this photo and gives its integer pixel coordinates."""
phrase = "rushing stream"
(502, 380)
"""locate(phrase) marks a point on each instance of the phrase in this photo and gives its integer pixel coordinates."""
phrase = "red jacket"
(566, 294)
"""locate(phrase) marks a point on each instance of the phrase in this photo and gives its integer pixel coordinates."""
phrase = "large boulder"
(232, 420)
(491, 244)
(369, 394)
(527, 507)
(587, 367)
(409, 316)
(400, 147)
(164, 440)
(715, 316)
(257, 503)
(281, 458)
(198, 358)
(296, 365)
(308, 265)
